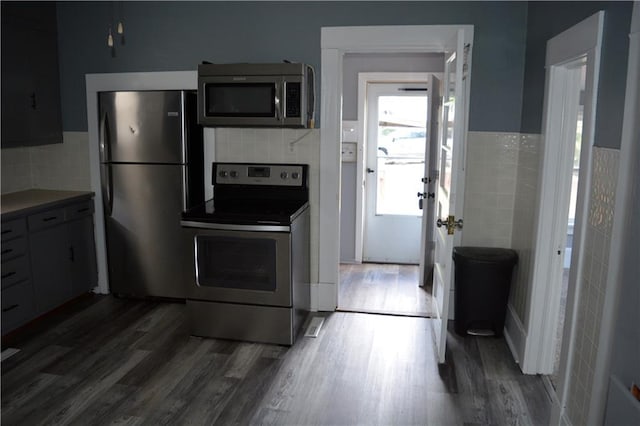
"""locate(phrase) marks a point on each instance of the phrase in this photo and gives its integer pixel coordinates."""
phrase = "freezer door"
(149, 254)
(142, 127)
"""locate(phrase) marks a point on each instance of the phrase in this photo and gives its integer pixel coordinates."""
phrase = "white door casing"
(579, 43)
(449, 189)
(427, 231)
(390, 237)
(335, 42)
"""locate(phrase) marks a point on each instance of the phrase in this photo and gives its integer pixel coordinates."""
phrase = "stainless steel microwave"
(256, 95)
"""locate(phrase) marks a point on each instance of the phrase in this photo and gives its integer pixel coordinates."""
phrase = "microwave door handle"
(276, 101)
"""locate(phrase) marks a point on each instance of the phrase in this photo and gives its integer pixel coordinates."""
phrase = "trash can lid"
(486, 254)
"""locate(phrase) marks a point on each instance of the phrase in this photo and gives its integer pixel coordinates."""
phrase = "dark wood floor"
(113, 361)
(383, 288)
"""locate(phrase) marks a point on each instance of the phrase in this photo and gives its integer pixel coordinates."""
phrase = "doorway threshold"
(387, 313)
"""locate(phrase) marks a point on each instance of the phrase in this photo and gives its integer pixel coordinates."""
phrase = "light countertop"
(22, 202)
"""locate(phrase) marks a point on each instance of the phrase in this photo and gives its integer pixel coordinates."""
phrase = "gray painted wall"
(355, 63)
(548, 19)
(169, 36)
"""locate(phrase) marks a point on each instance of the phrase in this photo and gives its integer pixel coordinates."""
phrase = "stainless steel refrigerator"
(151, 153)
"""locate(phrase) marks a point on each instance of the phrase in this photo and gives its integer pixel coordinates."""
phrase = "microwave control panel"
(292, 99)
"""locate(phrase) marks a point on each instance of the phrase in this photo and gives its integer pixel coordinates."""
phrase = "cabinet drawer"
(14, 271)
(13, 229)
(17, 306)
(77, 210)
(46, 219)
(13, 248)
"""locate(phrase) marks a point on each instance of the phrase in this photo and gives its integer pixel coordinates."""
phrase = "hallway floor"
(383, 288)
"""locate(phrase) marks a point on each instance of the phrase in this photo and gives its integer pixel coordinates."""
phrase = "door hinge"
(465, 61)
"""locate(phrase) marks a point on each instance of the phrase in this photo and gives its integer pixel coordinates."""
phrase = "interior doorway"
(399, 124)
(574, 119)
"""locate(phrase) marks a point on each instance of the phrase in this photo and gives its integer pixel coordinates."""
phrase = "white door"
(449, 189)
(429, 179)
(396, 148)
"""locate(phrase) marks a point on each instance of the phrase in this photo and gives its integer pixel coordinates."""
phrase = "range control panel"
(258, 174)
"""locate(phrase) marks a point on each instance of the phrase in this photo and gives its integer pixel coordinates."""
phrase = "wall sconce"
(119, 27)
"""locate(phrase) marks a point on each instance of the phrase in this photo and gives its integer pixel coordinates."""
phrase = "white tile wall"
(16, 169)
(595, 267)
(279, 146)
(525, 208)
(490, 188)
(62, 166)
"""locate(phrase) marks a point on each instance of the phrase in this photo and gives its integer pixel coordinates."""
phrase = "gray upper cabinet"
(30, 76)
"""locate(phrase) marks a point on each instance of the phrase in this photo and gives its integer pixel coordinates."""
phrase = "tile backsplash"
(62, 166)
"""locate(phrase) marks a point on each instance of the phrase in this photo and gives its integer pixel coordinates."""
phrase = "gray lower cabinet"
(18, 304)
(48, 258)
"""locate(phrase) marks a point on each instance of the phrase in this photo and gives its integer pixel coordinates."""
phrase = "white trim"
(335, 42)
(178, 80)
(365, 78)
(623, 216)
(515, 333)
(545, 241)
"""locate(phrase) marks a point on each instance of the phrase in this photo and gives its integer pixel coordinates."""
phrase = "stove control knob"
(223, 173)
(284, 175)
(234, 174)
(295, 175)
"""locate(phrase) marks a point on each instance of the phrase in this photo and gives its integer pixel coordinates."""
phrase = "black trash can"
(482, 283)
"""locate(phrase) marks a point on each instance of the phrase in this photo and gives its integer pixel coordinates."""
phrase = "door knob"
(370, 170)
(451, 223)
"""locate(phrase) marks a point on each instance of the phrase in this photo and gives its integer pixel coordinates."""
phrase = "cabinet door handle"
(10, 308)
(5, 251)
(72, 256)
(33, 100)
(8, 274)
(50, 218)
(6, 231)
(86, 209)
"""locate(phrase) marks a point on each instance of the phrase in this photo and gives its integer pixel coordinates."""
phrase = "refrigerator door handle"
(185, 188)
(105, 140)
(107, 188)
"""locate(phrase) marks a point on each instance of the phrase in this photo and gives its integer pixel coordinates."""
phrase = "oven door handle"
(235, 227)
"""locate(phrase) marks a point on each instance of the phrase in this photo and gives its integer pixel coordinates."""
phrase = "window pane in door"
(400, 154)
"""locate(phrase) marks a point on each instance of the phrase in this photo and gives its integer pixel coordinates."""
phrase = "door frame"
(583, 40)
(365, 78)
(334, 43)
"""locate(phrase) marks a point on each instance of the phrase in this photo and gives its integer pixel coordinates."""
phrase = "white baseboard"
(515, 334)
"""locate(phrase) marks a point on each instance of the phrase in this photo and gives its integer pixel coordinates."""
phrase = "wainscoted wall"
(523, 235)
(61, 166)
(597, 244)
(278, 146)
(490, 183)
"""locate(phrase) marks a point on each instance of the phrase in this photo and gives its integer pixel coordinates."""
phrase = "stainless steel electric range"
(251, 254)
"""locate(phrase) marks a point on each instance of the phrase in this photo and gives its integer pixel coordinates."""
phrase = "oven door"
(242, 267)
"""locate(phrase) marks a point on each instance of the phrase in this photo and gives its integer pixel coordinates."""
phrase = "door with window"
(395, 161)
(449, 188)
